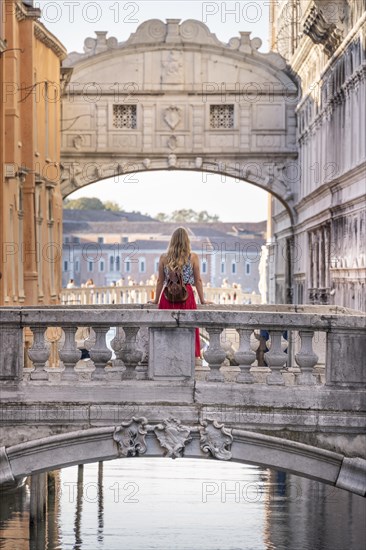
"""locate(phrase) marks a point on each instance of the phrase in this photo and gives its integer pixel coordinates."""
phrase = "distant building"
(108, 246)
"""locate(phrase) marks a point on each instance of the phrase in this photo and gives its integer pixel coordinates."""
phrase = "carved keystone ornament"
(130, 437)
(216, 439)
(173, 437)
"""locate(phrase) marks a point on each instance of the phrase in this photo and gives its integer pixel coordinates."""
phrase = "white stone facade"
(174, 97)
(325, 46)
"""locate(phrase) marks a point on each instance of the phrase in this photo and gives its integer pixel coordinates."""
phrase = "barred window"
(124, 116)
(221, 116)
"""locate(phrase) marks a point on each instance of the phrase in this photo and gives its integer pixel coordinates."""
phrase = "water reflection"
(79, 507)
(150, 503)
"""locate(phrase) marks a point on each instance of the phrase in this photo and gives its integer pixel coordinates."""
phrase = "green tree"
(187, 216)
(84, 203)
(161, 217)
(113, 206)
(204, 216)
(183, 215)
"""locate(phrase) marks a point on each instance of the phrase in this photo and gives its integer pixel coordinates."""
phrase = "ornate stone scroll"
(173, 437)
(216, 439)
(130, 437)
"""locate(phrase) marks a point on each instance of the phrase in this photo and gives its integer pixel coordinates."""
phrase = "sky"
(74, 20)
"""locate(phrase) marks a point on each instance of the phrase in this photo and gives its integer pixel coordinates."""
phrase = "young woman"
(180, 258)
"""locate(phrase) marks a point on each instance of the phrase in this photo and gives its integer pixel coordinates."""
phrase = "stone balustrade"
(140, 294)
(271, 345)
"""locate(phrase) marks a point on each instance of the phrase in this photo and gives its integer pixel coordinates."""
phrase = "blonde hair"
(179, 249)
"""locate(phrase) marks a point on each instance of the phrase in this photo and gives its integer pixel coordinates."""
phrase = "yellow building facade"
(30, 129)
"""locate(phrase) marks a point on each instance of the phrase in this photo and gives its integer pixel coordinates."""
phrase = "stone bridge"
(174, 97)
(279, 386)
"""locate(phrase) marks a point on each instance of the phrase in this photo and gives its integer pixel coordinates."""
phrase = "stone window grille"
(221, 116)
(124, 116)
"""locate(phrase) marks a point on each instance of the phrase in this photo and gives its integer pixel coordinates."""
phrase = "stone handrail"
(272, 345)
(140, 294)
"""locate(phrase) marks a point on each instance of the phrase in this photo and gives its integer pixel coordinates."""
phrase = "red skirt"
(190, 303)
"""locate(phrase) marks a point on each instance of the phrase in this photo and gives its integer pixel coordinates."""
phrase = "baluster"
(244, 356)
(215, 355)
(69, 353)
(100, 354)
(115, 371)
(260, 371)
(54, 366)
(143, 344)
(38, 353)
(130, 353)
(276, 358)
(306, 359)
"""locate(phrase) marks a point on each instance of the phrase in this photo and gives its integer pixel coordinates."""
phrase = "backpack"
(175, 289)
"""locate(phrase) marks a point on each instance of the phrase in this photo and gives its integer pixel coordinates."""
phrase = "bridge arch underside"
(252, 171)
(97, 444)
(183, 100)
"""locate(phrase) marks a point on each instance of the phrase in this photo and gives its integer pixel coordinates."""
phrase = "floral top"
(187, 271)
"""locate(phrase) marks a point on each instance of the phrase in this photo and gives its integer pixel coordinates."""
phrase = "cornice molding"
(44, 36)
(344, 180)
(321, 31)
(26, 12)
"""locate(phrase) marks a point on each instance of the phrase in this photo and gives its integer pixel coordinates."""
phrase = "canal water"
(164, 504)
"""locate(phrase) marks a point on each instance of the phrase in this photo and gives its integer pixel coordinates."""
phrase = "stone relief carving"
(216, 439)
(173, 68)
(130, 437)
(173, 437)
(78, 142)
(172, 142)
(172, 116)
(172, 161)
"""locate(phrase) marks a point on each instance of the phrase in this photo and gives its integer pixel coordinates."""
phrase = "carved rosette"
(173, 437)
(216, 439)
(130, 437)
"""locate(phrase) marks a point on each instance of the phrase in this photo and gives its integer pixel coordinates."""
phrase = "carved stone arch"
(173, 96)
(169, 438)
(266, 176)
